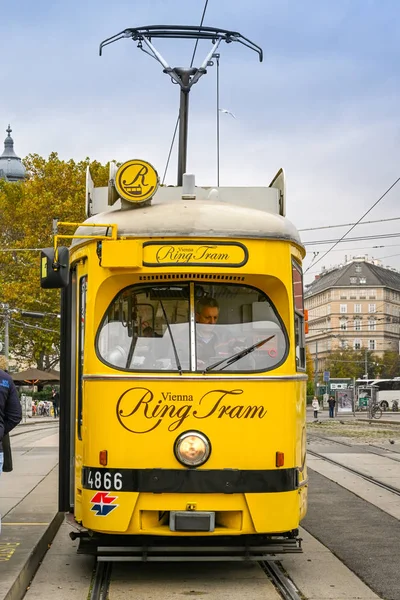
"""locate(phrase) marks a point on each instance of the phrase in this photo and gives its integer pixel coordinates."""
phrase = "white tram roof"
(193, 218)
(228, 212)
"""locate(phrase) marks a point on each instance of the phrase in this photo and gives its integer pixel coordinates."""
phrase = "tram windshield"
(192, 327)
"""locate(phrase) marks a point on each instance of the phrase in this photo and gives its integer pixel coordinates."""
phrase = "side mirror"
(54, 274)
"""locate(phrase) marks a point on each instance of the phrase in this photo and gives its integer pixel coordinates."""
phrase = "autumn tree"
(53, 189)
(310, 372)
(346, 362)
(389, 365)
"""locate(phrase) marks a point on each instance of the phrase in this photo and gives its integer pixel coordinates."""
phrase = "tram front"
(184, 375)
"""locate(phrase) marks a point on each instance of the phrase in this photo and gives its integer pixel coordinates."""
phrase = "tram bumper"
(234, 514)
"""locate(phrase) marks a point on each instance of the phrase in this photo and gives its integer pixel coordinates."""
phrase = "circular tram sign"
(136, 181)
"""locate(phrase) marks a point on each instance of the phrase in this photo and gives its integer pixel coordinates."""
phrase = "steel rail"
(368, 478)
(35, 428)
(284, 585)
(333, 441)
(101, 581)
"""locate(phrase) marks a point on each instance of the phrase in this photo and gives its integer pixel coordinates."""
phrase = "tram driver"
(207, 313)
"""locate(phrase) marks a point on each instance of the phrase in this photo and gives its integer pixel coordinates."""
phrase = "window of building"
(343, 324)
(343, 295)
(372, 308)
(353, 280)
(372, 294)
(343, 308)
(371, 345)
(358, 269)
(357, 344)
(371, 325)
(357, 308)
(357, 324)
(328, 309)
(344, 344)
(362, 281)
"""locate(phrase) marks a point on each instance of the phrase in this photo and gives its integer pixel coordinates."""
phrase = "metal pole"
(185, 75)
(316, 370)
(6, 333)
(366, 365)
(217, 61)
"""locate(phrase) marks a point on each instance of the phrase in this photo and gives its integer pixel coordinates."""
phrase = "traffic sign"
(326, 375)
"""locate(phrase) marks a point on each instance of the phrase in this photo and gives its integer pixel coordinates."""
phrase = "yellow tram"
(183, 366)
(183, 381)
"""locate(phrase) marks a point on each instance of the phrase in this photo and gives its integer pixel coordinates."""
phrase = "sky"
(324, 103)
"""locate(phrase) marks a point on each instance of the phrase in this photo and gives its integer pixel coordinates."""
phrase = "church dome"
(11, 167)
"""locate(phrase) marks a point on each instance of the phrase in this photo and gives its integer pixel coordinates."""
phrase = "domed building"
(11, 167)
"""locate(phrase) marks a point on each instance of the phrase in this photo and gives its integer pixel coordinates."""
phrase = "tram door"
(79, 325)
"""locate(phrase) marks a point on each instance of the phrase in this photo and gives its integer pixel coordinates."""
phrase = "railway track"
(368, 478)
(102, 579)
(34, 429)
(312, 436)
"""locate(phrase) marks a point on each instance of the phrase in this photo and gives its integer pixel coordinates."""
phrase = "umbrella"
(33, 376)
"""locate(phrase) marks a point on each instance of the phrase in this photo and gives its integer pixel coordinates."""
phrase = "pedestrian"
(55, 396)
(10, 409)
(315, 405)
(331, 403)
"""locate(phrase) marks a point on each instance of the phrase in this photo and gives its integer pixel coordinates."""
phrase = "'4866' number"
(98, 480)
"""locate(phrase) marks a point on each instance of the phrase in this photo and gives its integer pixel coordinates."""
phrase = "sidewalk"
(28, 507)
(36, 421)
(387, 416)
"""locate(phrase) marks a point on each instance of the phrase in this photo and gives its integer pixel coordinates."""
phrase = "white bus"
(388, 392)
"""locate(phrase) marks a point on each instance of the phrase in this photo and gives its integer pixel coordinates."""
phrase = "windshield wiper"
(231, 359)
(178, 364)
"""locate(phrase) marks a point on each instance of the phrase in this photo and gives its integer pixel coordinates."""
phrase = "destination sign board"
(197, 254)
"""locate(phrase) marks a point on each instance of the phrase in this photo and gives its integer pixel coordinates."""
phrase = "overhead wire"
(348, 224)
(177, 120)
(353, 239)
(359, 220)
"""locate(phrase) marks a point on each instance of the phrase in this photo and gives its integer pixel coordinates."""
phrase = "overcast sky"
(324, 104)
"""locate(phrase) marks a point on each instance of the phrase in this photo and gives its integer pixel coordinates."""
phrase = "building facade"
(356, 305)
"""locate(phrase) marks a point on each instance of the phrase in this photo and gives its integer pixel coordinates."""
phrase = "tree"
(390, 365)
(346, 362)
(54, 189)
(310, 372)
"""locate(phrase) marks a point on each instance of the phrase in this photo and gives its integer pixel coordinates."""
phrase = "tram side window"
(300, 344)
(147, 329)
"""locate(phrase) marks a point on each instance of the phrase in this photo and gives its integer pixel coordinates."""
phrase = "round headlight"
(192, 448)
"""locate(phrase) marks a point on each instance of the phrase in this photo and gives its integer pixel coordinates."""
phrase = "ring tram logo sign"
(136, 181)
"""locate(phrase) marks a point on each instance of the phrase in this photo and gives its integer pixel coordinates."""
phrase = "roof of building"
(349, 275)
(11, 167)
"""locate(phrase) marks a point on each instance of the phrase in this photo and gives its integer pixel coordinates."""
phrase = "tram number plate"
(103, 480)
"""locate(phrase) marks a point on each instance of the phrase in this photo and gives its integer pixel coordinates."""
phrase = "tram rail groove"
(101, 581)
(385, 486)
(284, 585)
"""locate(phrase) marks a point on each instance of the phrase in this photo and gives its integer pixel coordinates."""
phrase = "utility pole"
(6, 316)
(6, 332)
(316, 370)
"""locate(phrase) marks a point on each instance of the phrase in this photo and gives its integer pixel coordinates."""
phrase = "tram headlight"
(192, 448)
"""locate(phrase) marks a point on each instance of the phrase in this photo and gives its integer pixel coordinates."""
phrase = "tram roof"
(193, 218)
